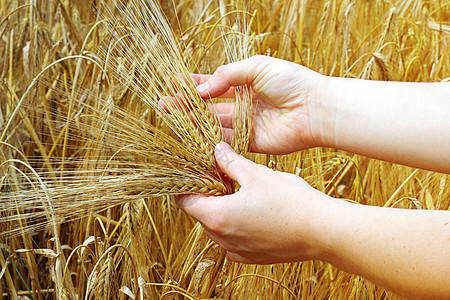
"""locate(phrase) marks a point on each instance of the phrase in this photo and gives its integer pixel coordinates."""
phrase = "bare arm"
(405, 123)
(406, 251)
(297, 108)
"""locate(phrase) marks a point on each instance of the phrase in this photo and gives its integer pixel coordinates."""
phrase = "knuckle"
(229, 247)
(258, 59)
(222, 71)
(236, 257)
(218, 224)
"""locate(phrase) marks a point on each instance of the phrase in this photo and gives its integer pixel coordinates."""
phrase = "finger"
(211, 235)
(224, 112)
(168, 104)
(234, 74)
(162, 103)
(200, 207)
(180, 81)
(200, 79)
(238, 258)
(250, 257)
(228, 135)
(226, 121)
(180, 102)
(224, 108)
(232, 164)
(218, 240)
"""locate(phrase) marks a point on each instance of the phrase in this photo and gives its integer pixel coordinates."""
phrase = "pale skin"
(406, 251)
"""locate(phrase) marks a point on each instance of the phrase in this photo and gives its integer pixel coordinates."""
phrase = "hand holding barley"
(267, 221)
(277, 217)
(284, 102)
(296, 108)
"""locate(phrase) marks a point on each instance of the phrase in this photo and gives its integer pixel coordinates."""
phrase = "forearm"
(406, 251)
(406, 123)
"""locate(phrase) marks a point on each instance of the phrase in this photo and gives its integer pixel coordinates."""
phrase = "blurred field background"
(147, 248)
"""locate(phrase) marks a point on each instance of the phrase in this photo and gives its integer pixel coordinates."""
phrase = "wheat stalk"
(117, 154)
(59, 128)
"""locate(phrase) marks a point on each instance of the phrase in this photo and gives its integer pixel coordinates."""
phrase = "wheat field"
(90, 162)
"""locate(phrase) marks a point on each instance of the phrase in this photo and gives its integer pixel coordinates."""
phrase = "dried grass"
(90, 162)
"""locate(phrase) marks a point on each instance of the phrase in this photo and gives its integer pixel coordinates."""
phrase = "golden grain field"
(90, 164)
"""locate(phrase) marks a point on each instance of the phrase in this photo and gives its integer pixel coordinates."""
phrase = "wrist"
(320, 214)
(323, 114)
(325, 217)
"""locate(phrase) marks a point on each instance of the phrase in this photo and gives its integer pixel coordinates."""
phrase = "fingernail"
(222, 147)
(202, 88)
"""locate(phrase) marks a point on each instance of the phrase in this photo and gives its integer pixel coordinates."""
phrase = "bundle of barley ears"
(143, 132)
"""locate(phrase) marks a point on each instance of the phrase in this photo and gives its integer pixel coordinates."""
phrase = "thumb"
(232, 164)
(234, 74)
(197, 206)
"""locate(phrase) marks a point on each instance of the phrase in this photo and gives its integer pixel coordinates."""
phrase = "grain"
(90, 163)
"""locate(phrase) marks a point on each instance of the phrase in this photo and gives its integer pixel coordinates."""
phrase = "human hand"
(286, 107)
(269, 220)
